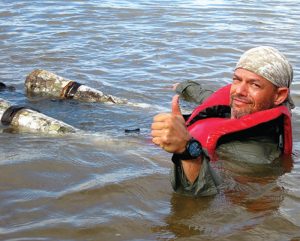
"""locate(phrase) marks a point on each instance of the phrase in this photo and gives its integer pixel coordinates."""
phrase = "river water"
(105, 184)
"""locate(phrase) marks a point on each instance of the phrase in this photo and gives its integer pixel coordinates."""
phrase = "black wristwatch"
(192, 151)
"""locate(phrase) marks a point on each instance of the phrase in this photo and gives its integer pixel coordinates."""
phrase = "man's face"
(250, 93)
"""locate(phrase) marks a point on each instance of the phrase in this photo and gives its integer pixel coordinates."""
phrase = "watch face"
(195, 149)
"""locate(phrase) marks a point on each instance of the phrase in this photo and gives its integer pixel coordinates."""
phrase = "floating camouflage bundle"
(4, 87)
(22, 119)
(45, 83)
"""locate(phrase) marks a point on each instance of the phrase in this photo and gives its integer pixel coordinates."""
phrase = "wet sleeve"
(262, 150)
(206, 183)
(192, 91)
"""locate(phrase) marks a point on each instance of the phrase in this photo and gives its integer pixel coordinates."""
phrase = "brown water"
(104, 184)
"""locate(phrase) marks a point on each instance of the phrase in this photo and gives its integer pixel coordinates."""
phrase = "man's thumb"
(175, 105)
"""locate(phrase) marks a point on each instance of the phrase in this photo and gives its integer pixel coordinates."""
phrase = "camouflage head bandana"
(269, 63)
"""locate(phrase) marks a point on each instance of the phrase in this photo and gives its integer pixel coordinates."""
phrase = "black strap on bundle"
(72, 89)
(10, 113)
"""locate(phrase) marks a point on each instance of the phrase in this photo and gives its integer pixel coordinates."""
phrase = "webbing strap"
(10, 113)
(71, 90)
(221, 111)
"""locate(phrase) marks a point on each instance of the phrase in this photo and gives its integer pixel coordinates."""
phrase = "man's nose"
(241, 88)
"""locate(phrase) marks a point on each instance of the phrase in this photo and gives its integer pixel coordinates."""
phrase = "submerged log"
(45, 83)
(22, 119)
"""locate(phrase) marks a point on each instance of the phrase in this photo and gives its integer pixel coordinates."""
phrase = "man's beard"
(249, 108)
(239, 113)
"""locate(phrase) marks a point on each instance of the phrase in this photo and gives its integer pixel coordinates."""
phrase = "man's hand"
(170, 133)
(169, 130)
(175, 86)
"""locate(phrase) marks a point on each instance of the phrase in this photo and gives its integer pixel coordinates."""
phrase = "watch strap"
(186, 155)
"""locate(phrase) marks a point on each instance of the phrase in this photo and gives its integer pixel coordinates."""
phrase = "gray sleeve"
(239, 156)
(192, 91)
(206, 183)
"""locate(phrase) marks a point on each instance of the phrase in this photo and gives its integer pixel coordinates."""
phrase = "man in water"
(249, 119)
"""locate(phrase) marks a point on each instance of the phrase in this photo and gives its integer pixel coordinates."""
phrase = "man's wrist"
(192, 150)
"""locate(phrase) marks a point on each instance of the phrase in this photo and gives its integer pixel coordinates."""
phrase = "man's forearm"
(205, 184)
(192, 168)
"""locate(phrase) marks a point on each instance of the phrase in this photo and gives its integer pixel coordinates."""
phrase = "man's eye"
(256, 85)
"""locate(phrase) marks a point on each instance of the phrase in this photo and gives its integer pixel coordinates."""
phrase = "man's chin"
(238, 113)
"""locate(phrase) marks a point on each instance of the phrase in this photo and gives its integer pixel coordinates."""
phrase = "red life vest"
(209, 130)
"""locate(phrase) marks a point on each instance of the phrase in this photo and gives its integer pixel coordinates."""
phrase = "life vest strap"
(222, 111)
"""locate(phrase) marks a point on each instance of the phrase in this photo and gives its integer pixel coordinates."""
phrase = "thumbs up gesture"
(169, 130)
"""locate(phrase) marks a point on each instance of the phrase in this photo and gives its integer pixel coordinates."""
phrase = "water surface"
(107, 185)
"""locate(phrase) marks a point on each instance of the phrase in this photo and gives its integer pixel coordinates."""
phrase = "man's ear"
(281, 95)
